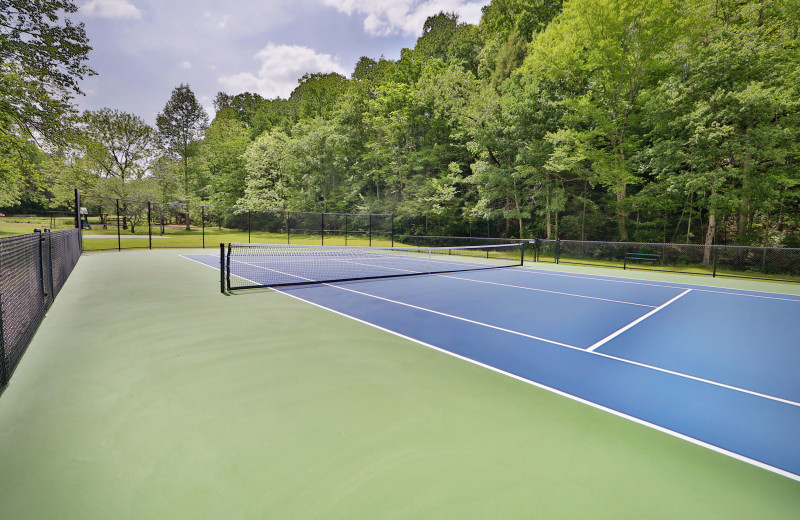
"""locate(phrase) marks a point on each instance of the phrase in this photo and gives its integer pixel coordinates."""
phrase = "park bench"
(651, 258)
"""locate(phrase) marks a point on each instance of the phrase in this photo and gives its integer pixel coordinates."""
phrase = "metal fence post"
(714, 250)
(392, 230)
(370, 230)
(119, 238)
(322, 227)
(203, 223)
(149, 226)
(249, 219)
(288, 234)
(558, 249)
(4, 371)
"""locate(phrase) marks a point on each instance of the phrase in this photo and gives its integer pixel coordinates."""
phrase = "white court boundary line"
(651, 283)
(634, 323)
(623, 415)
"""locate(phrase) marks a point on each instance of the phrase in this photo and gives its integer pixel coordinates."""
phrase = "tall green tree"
(181, 126)
(43, 56)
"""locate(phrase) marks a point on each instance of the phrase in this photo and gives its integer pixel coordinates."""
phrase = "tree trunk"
(547, 224)
(621, 220)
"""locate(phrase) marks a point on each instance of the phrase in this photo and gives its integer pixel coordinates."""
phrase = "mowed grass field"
(148, 394)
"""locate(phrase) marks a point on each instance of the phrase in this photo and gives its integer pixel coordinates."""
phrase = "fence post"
(370, 230)
(4, 372)
(203, 223)
(714, 249)
(119, 238)
(345, 229)
(392, 231)
(149, 226)
(249, 212)
(78, 223)
(558, 249)
(322, 226)
(41, 265)
(288, 235)
(50, 261)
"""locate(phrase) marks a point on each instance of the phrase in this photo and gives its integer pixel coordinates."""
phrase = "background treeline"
(647, 120)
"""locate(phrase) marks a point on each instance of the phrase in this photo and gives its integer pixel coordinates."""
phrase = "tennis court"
(148, 394)
(714, 366)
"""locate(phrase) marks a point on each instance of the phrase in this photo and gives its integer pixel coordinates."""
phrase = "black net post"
(222, 267)
(228, 267)
(558, 249)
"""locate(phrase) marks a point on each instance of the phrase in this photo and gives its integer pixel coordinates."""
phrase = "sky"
(142, 49)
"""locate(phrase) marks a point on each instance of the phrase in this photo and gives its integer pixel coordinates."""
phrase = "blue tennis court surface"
(718, 367)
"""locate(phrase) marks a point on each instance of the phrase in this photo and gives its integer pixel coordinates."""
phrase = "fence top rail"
(661, 244)
(89, 198)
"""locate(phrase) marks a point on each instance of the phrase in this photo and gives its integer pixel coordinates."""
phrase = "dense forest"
(647, 120)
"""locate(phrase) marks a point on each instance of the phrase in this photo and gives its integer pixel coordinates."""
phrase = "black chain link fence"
(761, 263)
(33, 269)
(110, 223)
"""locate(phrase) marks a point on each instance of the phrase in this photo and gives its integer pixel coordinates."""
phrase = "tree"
(118, 146)
(43, 57)
(181, 126)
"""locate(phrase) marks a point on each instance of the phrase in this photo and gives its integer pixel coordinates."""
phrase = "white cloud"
(115, 9)
(186, 64)
(385, 17)
(281, 66)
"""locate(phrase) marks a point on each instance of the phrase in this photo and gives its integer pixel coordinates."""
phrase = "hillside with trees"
(652, 121)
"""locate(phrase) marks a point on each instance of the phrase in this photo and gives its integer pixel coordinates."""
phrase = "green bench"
(650, 258)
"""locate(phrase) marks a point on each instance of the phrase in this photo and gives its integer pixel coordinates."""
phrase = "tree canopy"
(655, 120)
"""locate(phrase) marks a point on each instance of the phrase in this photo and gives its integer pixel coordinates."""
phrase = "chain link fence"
(110, 223)
(761, 263)
(33, 269)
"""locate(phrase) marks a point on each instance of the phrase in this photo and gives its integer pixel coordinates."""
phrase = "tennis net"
(246, 266)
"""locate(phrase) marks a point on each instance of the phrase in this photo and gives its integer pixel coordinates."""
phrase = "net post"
(522, 253)
(149, 224)
(119, 238)
(222, 267)
(558, 249)
(228, 265)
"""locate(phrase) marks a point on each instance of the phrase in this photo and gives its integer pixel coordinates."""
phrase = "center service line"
(629, 325)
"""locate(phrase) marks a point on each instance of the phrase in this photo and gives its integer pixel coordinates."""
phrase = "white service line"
(546, 291)
(633, 323)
